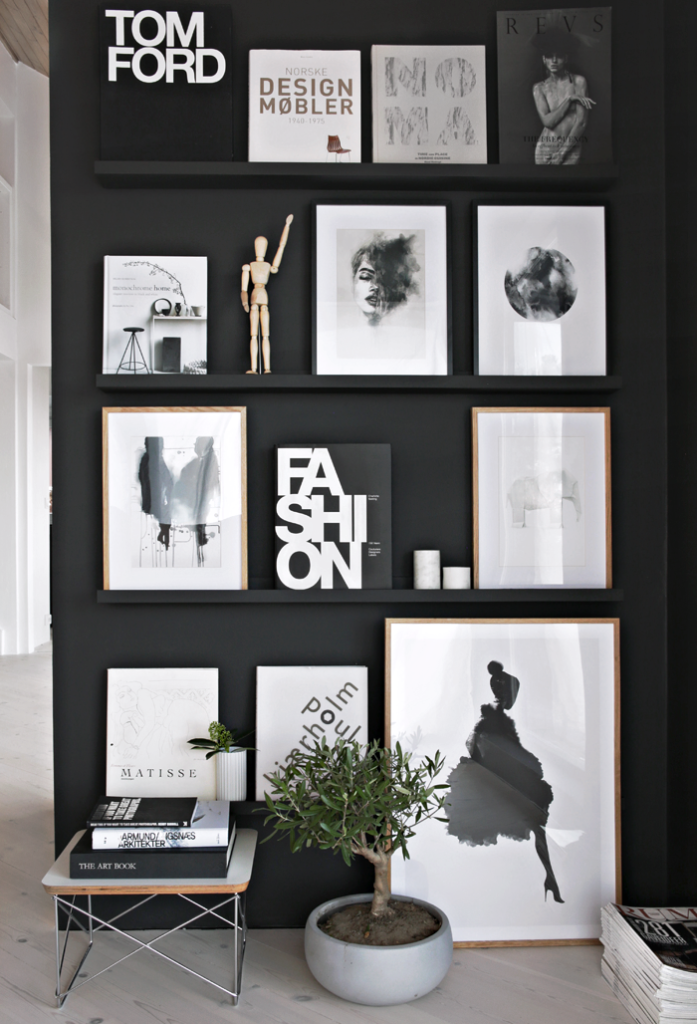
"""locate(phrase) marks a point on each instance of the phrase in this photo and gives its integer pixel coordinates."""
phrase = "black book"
(166, 82)
(143, 812)
(554, 86)
(333, 517)
(199, 862)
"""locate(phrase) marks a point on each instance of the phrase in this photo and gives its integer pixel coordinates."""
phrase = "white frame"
(7, 191)
(511, 449)
(567, 715)
(431, 346)
(177, 704)
(119, 427)
(505, 341)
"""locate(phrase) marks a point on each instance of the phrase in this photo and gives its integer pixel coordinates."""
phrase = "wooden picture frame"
(381, 296)
(546, 471)
(174, 512)
(533, 775)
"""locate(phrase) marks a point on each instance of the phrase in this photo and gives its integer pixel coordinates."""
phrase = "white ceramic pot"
(377, 975)
(231, 775)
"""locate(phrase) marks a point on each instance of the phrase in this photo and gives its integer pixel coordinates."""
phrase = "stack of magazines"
(155, 837)
(650, 961)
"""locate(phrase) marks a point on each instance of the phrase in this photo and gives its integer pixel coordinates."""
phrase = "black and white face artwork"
(541, 285)
(178, 502)
(384, 274)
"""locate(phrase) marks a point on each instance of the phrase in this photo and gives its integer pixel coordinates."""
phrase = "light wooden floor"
(513, 986)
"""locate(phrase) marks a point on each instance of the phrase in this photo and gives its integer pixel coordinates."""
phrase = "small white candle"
(427, 570)
(456, 577)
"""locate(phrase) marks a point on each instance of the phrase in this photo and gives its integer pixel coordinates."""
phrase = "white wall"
(25, 355)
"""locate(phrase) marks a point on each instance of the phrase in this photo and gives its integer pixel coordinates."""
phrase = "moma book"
(154, 314)
(429, 104)
(166, 82)
(554, 69)
(334, 517)
(305, 106)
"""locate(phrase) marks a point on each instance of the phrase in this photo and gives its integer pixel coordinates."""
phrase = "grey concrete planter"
(377, 975)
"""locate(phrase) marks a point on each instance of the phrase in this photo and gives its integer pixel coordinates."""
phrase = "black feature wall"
(429, 433)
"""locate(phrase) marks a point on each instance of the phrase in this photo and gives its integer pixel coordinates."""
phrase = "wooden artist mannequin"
(258, 308)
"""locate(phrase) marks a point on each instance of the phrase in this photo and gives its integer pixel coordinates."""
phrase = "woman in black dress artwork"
(499, 790)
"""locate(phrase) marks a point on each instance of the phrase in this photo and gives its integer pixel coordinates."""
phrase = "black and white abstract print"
(542, 285)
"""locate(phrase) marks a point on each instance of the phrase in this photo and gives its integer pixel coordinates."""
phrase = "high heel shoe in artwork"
(551, 886)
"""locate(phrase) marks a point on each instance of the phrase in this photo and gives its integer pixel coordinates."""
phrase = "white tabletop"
(57, 879)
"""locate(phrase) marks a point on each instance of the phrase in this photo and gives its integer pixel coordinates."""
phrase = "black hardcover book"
(143, 812)
(199, 862)
(166, 82)
(554, 71)
(334, 517)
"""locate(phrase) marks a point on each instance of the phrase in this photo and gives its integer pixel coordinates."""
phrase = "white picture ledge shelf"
(387, 597)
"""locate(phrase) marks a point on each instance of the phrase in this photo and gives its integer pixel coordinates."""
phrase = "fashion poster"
(555, 86)
(540, 290)
(381, 290)
(300, 706)
(175, 499)
(542, 498)
(525, 714)
(151, 713)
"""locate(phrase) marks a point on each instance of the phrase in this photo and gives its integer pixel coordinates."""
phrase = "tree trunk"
(381, 888)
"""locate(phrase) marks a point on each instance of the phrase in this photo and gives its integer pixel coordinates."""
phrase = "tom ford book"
(334, 517)
(429, 104)
(305, 106)
(554, 70)
(166, 82)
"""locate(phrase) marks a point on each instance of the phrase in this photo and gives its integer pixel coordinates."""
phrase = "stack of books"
(650, 961)
(150, 837)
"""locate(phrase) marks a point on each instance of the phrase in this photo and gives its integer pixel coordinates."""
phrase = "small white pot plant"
(365, 800)
(231, 759)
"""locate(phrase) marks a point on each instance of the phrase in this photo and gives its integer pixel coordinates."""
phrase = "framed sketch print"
(381, 302)
(151, 714)
(526, 715)
(175, 498)
(540, 290)
(298, 706)
(541, 498)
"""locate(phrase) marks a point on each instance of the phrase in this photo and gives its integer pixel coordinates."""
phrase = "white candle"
(456, 577)
(427, 570)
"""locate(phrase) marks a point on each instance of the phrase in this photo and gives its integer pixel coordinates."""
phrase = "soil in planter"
(408, 923)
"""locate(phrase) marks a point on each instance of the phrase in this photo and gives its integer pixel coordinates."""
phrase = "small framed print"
(539, 290)
(175, 498)
(526, 714)
(381, 297)
(541, 498)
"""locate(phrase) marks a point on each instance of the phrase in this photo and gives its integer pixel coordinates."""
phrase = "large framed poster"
(541, 498)
(526, 713)
(175, 498)
(381, 300)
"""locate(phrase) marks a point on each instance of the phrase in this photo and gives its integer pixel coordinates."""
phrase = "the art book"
(166, 82)
(155, 314)
(334, 517)
(554, 70)
(305, 106)
(429, 104)
(300, 706)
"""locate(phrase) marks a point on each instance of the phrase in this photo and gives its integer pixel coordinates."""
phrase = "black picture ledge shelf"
(236, 174)
(556, 594)
(143, 383)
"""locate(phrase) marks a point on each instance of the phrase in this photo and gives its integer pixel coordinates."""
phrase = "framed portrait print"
(381, 301)
(526, 714)
(175, 498)
(540, 290)
(541, 498)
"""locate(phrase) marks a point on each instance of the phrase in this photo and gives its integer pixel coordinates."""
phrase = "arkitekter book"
(429, 104)
(334, 517)
(305, 106)
(209, 827)
(202, 862)
(554, 71)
